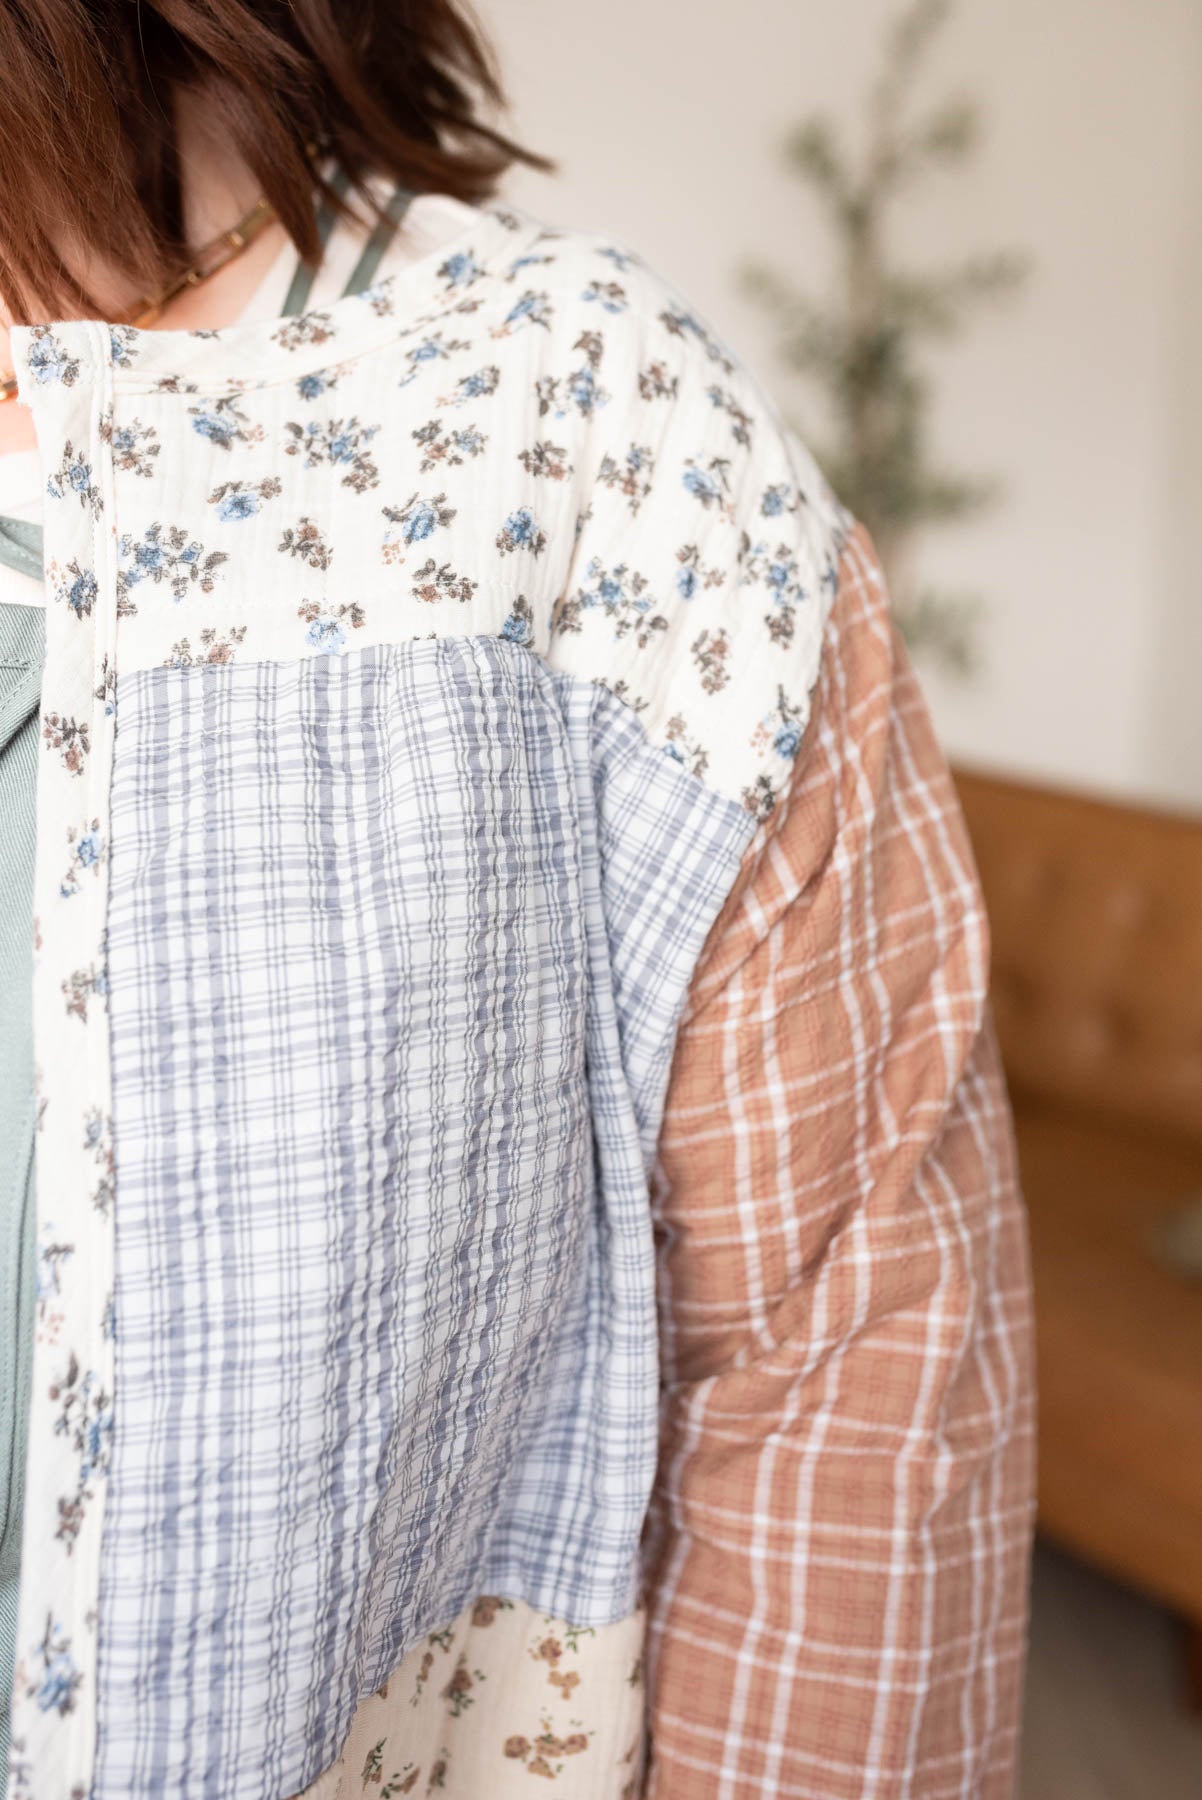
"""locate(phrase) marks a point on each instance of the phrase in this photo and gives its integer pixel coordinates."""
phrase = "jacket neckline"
(256, 353)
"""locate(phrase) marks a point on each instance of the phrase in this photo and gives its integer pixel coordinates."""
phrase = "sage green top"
(21, 638)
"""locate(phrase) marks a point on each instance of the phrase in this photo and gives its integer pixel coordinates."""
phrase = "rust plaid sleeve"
(839, 1537)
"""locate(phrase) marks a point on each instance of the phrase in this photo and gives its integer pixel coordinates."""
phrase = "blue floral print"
(532, 260)
(519, 626)
(460, 270)
(52, 1253)
(521, 532)
(215, 427)
(778, 572)
(134, 446)
(165, 555)
(48, 361)
(326, 635)
(619, 592)
(579, 390)
(340, 442)
(431, 350)
(77, 592)
(80, 986)
(610, 294)
(241, 504)
(531, 309)
(98, 1145)
(452, 447)
(477, 386)
(740, 418)
(788, 726)
(327, 629)
(57, 1680)
(685, 749)
(777, 501)
(682, 323)
(630, 475)
(74, 476)
(224, 423)
(87, 848)
(419, 518)
(85, 1418)
(238, 500)
(709, 485)
(123, 341)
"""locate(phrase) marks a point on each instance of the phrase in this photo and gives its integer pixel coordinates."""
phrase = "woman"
(486, 831)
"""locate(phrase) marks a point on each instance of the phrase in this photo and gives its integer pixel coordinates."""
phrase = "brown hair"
(88, 149)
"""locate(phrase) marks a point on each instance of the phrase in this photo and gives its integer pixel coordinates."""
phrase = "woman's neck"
(218, 191)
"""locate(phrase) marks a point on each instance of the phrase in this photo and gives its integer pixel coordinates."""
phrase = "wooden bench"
(1096, 914)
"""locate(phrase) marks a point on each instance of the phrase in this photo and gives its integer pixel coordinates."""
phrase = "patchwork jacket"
(518, 1111)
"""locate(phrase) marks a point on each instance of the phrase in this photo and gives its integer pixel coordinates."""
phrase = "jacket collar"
(258, 353)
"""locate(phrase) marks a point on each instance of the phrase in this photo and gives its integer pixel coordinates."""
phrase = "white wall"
(1086, 395)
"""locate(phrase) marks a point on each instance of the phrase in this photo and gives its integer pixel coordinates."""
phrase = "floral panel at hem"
(501, 1694)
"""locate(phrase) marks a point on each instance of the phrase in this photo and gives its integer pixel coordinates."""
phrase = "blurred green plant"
(863, 347)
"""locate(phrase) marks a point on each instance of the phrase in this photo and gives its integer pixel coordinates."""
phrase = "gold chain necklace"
(210, 260)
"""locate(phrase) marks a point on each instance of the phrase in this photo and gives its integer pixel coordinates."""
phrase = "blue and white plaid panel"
(397, 944)
(659, 853)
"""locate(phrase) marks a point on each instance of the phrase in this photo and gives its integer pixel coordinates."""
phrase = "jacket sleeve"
(839, 1538)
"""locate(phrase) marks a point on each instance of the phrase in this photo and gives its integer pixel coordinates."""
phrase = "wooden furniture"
(1096, 913)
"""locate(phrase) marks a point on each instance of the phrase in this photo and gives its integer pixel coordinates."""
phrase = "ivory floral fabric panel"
(501, 1695)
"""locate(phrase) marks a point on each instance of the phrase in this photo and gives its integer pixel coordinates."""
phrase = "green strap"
(296, 299)
(364, 271)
